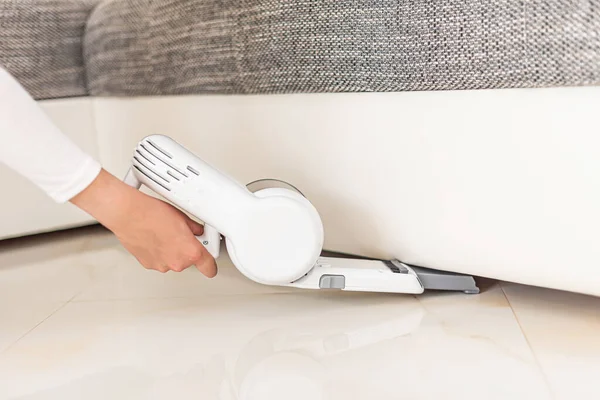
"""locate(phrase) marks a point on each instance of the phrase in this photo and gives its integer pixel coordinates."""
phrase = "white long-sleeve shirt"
(33, 146)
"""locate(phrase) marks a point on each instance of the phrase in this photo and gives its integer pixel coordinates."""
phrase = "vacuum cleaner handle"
(210, 239)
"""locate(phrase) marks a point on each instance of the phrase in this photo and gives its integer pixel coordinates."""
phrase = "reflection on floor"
(79, 319)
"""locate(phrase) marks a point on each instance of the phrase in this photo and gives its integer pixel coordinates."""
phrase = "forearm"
(33, 146)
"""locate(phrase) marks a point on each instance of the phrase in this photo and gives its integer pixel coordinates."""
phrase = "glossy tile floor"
(79, 319)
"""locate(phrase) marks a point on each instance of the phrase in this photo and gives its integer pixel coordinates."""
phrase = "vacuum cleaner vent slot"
(146, 158)
(151, 170)
(192, 170)
(172, 175)
(167, 163)
(159, 149)
(151, 178)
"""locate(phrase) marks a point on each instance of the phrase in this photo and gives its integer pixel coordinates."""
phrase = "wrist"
(107, 199)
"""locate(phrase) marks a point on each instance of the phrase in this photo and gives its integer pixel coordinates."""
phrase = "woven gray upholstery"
(261, 46)
(140, 47)
(40, 44)
(154, 47)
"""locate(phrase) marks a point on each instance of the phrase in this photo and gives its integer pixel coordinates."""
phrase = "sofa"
(460, 135)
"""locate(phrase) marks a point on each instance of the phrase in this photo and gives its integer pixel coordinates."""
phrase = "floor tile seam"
(529, 345)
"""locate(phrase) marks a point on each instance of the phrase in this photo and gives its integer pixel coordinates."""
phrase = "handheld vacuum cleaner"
(273, 234)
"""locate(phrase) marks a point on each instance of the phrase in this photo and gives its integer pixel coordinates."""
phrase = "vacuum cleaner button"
(332, 282)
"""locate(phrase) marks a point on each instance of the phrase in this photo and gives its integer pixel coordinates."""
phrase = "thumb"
(205, 262)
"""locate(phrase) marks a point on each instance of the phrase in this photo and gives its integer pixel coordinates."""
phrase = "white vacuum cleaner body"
(274, 235)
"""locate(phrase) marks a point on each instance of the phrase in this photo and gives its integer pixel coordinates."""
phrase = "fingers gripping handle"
(211, 240)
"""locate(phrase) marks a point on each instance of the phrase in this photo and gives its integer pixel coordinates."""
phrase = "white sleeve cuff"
(80, 181)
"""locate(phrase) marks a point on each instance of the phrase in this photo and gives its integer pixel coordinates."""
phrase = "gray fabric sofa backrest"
(150, 47)
(41, 44)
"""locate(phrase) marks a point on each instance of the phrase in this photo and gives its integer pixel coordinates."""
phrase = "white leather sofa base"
(27, 210)
(497, 183)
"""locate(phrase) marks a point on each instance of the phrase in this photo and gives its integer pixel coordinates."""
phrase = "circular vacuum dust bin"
(281, 239)
(272, 184)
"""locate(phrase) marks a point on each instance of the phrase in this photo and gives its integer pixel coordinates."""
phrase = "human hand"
(158, 235)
